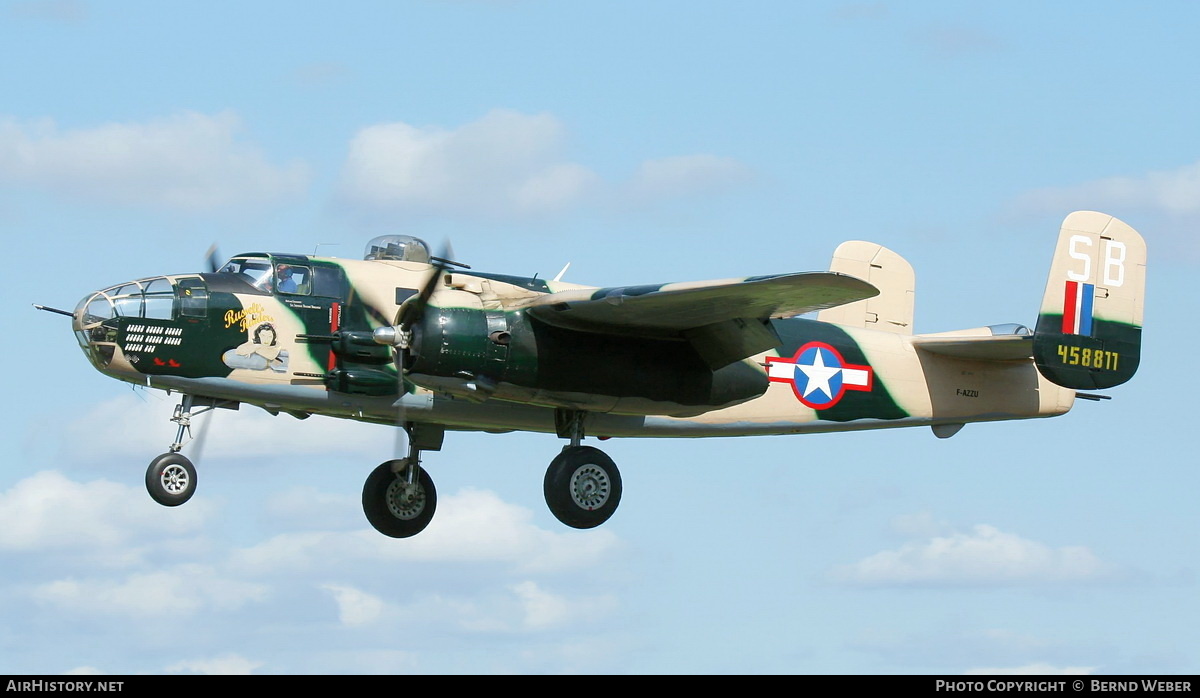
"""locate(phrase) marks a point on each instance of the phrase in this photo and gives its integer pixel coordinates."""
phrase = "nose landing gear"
(171, 477)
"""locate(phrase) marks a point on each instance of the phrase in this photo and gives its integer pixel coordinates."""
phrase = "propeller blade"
(414, 310)
(213, 259)
(197, 445)
(410, 315)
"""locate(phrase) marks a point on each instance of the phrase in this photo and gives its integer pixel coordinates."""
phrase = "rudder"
(1089, 328)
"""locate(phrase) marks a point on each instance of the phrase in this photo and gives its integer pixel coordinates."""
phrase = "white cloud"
(544, 609)
(181, 591)
(189, 162)
(524, 607)
(1164, 204)
(309, 508)
(1034, 669)
(985, 556)
(1170, 192)
(65, 11)
(686, 175)
(223, 665)
(505, 165)
(355, 607)
(471, 526)
(48, 511)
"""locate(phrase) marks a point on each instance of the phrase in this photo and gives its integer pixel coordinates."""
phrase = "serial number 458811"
(1088, 358)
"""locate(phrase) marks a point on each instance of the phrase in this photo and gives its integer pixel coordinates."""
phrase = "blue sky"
(643, 143)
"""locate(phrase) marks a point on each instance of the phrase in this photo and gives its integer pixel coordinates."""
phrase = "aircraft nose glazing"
(98, 315)
(96, 336)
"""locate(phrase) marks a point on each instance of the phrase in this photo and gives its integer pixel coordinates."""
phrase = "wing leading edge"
(725, 320)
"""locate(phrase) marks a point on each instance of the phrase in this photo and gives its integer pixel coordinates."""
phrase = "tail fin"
(1089, 330)
(892, 309)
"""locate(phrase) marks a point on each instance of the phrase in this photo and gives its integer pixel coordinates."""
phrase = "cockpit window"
(293, 279)
(255, 271)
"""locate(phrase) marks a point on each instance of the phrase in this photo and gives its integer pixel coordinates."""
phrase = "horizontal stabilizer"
(979, 348)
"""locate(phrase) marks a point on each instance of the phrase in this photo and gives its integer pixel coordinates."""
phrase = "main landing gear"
(582, 484)
(171, 477)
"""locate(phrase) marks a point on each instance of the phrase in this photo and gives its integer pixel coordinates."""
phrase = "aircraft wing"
(725, 320)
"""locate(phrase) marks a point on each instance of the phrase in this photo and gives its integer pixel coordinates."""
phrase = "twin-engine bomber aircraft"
(422, 342)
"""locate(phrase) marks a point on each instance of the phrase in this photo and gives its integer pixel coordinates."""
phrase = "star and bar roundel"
(819, 375)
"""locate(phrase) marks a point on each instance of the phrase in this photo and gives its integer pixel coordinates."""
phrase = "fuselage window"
(327, 281)
(193, 298)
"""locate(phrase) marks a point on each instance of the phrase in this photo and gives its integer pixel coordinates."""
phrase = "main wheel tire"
(392, 508)
(171, 479)
(582, 487)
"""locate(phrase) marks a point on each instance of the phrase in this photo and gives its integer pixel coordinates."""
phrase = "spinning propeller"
(412, 312)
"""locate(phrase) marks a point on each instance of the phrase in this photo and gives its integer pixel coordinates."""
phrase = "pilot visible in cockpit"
(286, 283)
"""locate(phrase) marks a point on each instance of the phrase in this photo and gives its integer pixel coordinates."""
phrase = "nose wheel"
(171, 479)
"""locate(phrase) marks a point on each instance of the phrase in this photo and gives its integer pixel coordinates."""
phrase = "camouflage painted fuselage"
(479, 360)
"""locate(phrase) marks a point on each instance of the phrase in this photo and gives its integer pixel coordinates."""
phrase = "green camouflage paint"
(1106, 358)
(876, 403)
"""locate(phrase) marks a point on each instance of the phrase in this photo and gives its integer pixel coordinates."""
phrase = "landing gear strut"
(399, 498)
(171, 477)
(582, 485)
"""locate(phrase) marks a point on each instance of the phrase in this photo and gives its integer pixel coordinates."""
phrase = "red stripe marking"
(335, 312)
(1070, 307)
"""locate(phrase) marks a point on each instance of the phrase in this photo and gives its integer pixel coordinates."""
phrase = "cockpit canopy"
(400, 248)
(255, 271)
